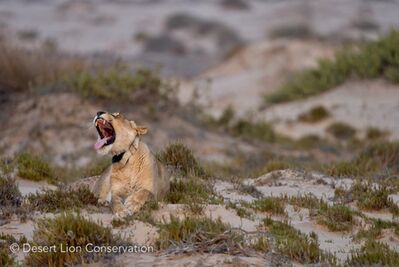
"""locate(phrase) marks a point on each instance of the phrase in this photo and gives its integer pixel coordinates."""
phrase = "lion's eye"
(115, 114)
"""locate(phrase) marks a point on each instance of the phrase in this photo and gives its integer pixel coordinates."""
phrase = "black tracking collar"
(118, 157)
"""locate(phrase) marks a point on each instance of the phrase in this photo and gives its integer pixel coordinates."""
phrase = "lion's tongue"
(101, 142)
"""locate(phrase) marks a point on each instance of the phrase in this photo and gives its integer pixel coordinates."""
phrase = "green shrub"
(295, 245)
(345, 169)
(275, 165)
(316, 114)
(297, 31)
(253, 130)
(117, 83)
(185, 191)
(375, 133)
(374, 253)
(9, 193)
(61, 199)
(33, 167)
(273, 205)
(341, 130)
(182, 158)
(336, 217)
(69, 229)
(372, 60)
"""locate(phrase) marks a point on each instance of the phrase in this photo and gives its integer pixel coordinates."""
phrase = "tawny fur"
(137, 177)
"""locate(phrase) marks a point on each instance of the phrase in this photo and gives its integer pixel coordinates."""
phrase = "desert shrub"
(33, 167)
(275, 165)
(7, 166)
(336, 217)
(201, 234)
(374, 253)
(65, 230)
(345, 169)
(20, 71)
(9, 192)
(61, 199)
(240, 209)
(298, 31)
(371, 60)
(310, 142)
(182, 159)
(341, 130)
(316, 114)
(117, 83)
(184, 191)
(373, 133)
(380, 158)
(6, 258)
(235, 4)
(295, 245)
(308, 201)
(10, 199)
(253, 130)
(273, 205)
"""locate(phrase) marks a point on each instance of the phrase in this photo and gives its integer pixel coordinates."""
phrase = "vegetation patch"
(20, 71)
(336, 217)
(182, 159)
(6, 240)
(186, 191)
(10, 199)
(199, 235)
(240, 209)
(371, 60)
(33, 167)
(297, 246)
(380, 159)
(316, 114)
(273, 205)
(274, 165)
(373, 133)
(297, 31)
(253, 130)
(69, 229)
(118, 83)
(341, 130)
(61, 199)
(374, 253)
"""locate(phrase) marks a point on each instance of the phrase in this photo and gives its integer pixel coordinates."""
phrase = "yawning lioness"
(135, 175)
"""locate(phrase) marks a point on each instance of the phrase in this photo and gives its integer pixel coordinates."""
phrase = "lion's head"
(115, 133)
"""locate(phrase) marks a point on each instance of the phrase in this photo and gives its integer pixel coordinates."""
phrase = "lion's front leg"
(135, 201)
(117, 204)
(102, 187)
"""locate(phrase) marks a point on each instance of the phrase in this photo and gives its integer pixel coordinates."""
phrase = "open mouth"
(106, 133)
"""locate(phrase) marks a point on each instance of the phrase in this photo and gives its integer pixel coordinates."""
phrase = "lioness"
(135, 175)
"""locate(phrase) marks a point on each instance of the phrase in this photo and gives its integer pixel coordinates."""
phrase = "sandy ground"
(256, 69)
(277, 183)
(361, 104)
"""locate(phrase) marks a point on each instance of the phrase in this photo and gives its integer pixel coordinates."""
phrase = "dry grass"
(22, 70)
(69, 229)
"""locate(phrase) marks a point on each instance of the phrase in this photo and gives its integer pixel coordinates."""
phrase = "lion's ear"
(141, 130)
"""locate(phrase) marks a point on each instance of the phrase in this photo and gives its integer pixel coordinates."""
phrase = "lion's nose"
(100, 113)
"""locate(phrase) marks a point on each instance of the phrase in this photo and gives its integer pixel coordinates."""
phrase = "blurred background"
(241, 82)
